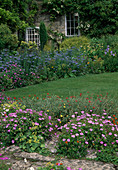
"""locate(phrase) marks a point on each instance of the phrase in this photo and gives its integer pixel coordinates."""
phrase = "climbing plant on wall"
(97, 17)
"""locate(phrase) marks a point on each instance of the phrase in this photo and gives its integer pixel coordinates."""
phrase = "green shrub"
(7, 39)
(43, 35)
(74, 42)
(5, 81)
(111, 40)
(27, 46)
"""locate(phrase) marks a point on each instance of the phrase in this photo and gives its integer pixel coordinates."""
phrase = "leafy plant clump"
(81, 126)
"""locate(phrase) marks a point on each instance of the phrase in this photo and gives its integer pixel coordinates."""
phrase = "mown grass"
(92, 83)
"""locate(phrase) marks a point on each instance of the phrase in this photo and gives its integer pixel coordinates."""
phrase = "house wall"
(57, 25)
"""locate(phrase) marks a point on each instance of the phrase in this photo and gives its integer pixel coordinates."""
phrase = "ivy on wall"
(97, 17)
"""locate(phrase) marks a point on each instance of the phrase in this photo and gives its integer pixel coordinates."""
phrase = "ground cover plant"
(90, 123)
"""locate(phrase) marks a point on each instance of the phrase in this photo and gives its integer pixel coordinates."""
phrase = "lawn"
(92, 83)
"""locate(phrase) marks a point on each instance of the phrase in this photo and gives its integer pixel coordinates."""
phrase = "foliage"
(96, 65)
(110, 60)
(27, 46)
(16, 14)
(96, 18)
(3, 165)
(9, 107)
(104, 41)
(7, 39)
(58, 8)
(14, 76)
(43, 35)
(29, 66)
(74, 42)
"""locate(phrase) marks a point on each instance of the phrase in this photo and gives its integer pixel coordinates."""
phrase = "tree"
(18, 14)
(43, 35)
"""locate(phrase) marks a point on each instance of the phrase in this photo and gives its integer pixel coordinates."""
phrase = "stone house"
(63, 25)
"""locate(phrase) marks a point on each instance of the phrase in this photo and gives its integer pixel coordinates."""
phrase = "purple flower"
(110, 133)
(101, 142)
(68, 140)
(63, 139)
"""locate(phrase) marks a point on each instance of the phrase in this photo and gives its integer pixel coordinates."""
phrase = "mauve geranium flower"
(12, 141)
(105, 144)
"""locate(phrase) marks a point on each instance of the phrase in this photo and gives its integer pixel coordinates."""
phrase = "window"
(32, 34)
(71, 25)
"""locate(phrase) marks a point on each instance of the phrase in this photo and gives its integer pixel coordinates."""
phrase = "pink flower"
(13, 141)
(105, 144)
(68, 140)
(110, 133)
(116, 141)
(86, 142)
(49, 117)
(73, 136)
(101, 142)
(63, 139)
(101, 124)
(99, 150)
(36, 123)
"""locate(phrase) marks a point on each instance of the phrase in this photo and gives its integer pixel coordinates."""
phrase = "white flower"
(25, 160)
(7, 110)
(31, 168)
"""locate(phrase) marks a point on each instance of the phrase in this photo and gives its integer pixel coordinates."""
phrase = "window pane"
(76, 31)
(72, 23)
(72, 31)
(68, 31)
(68, 24)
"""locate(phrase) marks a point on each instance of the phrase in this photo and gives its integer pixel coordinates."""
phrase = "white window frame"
(71, 35)
(31, 37)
